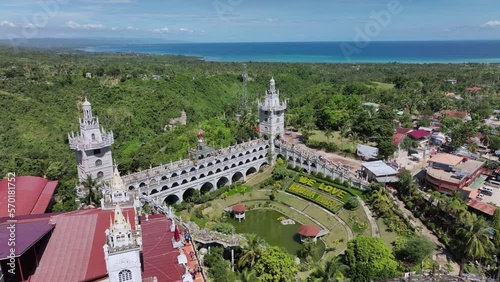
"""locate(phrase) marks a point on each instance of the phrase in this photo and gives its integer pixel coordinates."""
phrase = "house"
(397, 138)
(367, 152)
(379, 171)
(447, 172)
(421, 136)
(452, 81)
(88, 75)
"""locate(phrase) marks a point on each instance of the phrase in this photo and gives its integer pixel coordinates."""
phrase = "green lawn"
(259, 177)
(387, 236)
(383, 86)
(342, 143)
(352, 218)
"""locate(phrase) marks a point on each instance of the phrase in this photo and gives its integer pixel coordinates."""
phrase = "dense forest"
(41, 94)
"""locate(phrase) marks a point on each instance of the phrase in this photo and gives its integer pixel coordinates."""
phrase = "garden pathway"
(350, 234)
(442, 255)
(371, 219)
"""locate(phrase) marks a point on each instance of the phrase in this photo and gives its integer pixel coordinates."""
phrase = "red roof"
(239, 208)
(75, 249)
(475, 88)
(28, 233)
(308, 230)
(32, 194)
(160, 257)
(403, 130)
(397, 137)
(482, 206)
(418, 134)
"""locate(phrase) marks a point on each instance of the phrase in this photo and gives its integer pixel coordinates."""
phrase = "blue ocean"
(480, 51)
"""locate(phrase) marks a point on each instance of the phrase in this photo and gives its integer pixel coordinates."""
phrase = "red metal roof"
(418, 134)
(32, 195)
(482, 206)
(308, 230)
(403, 130)
(75, 250)
(27, 234)
(397, 137)
(239, 208)
(475, 88)
(160, 258)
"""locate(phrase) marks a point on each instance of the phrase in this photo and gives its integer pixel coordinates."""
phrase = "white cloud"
(7, 23)
(185, 30)
(491, 24)
(75, 25)
(131, 28)
(161, 30)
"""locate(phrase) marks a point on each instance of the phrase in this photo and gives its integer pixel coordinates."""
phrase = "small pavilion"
(308, 231)
(239, 211)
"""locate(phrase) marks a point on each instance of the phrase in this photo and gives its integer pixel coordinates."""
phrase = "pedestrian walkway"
(371, 219)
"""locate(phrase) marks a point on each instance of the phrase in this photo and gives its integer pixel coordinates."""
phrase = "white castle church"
(206, 168)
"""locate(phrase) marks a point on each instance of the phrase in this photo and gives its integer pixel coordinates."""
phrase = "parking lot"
(494, 198)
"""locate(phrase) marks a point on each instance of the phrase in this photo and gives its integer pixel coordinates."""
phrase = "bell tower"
(272, 114)
(122, 249)
(92, 146)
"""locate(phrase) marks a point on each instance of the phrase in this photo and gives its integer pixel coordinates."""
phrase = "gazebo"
(306, 231)
(239, 211)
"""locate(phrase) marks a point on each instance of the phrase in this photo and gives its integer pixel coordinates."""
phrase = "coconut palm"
(333, 270)
(252, 251)
(308, 249)
(380, 200)
(247, 276)
(476, 238)
(91, 186)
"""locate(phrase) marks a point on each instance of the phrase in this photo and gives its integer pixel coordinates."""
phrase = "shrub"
(328, 178)
(320, 175)
(352, 204)
(223, 227)
(346, 184)
(290, 166)
(337, 181)
(198, 212)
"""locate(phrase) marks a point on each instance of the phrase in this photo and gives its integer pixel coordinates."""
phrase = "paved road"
(371, 219)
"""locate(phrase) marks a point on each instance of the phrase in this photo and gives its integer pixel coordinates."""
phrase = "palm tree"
(248, 276)
(91, 186)
(476, 238)
(343, 132)
(380, 200)
(328, 133)
(354, 139)
(333, 270)
(308, 249)
(252, 251)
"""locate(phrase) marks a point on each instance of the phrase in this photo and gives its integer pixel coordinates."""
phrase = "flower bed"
(331, 204)
(338, 191)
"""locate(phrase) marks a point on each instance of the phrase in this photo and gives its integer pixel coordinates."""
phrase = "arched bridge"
(311, 162)
(178, 180)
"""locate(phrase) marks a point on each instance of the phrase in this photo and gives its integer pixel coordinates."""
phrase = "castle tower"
(118, 191)
(121, 250)
(92, 146)
(272, 114)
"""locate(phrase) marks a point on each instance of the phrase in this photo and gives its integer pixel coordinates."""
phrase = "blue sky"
(251, 20)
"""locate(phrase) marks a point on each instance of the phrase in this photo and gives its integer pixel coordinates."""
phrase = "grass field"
(342, 143)
(360, 216)
(383, 86)
(387, 236)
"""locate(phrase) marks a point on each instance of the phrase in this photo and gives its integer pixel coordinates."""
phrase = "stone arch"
(98, 162)
(261, 148)
(163, 178)
(142, 184)
(100, 174)
(154, 191)
(254, 150)
(144, 193)
(305, 162)
(217, 161)
(210, 164)
(233, 157)
(153, 182)
(226, 159)
(280, 156)
(184, 181)
(164, 188)
(210, 173)
(290, 159)
(305, 170)
(207, 187)
(254, 159)
(261, 156)
(247, 161)
(218, 170)
(174, 174)
(193, 178)
(262, 165)
(251, 170)
(223, 181)
(240, 155)
(240, 163)
(247, 153)
(298, 160)
(183, 172)
(313, 164)
(237, 176)
(226, 168)
(233, 165)
(171, 199)
(267, 147)
(202, 175)
(131, 187)
(188, 194)
(175, 184)
(201, 167)
(192, 169)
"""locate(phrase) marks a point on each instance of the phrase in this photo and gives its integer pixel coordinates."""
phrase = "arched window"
(98, 163)
(125, 275)
(93, 137)
(100, 174)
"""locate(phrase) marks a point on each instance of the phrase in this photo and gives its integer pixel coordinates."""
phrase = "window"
(125, 275)
(97, 151)
(93, 137)
(100, 174)
(98, 163)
